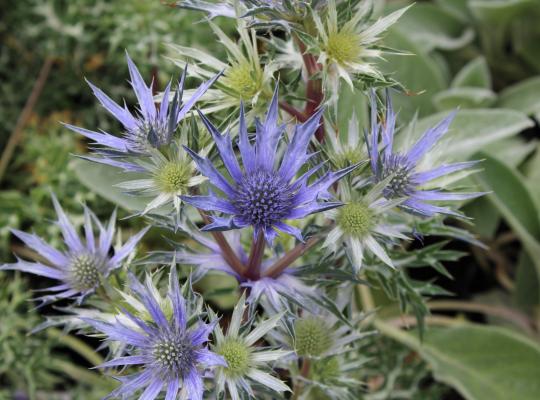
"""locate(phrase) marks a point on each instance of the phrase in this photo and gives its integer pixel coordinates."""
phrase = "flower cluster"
(255, 190)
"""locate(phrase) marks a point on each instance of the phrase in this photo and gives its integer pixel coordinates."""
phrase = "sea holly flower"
(84, 265)
(319, 333)
(246, 362)
(166, 175)
(171, 355)
(349, 48)
(244, 76)
(146, 129)
(407, 180)
(362, 223)
(265, 193)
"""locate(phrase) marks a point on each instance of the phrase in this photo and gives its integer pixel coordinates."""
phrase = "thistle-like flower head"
(348, 48)
(246, 362)
(173, 355)
(405, 179)
(165, 175)
(319, 334)
(148, 128)
(363, 224)
(245, 77)
(265, 193)
(84, 265)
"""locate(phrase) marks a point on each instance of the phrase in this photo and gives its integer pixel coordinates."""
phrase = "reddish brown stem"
(17, 133)
(314, 93)
(255, 258)
(299, 115)
(279, 266)
(226, 250)
(304, 372)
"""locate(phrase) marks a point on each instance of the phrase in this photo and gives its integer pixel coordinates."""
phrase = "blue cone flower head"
(83, 266)
(149, 127)
(171, 355)
(406, 181)
(265, 192)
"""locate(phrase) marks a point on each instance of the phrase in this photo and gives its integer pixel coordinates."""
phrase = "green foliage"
(26, 360)
(480, 362)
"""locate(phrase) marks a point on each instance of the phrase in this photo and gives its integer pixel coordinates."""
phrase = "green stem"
(76, 345)
(77, 373)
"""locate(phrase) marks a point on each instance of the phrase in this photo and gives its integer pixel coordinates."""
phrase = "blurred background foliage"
(479, 55)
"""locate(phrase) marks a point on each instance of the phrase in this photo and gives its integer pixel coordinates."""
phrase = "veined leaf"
(481, 362)
(464, 97)
(432, 27)
(102, 179)
(474, 74)
(523, 96)
(471, 130)
(419, 73)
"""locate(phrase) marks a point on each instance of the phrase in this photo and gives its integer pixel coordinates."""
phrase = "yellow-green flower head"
(246, 362)
(348, 48)
(165, 177)
(360, 225)
(245, 77)
(237, 355)
(312, 336)
(173, 177)
(244, 80)
(356, 219)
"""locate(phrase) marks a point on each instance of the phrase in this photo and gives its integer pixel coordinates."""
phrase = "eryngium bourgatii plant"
(265, 190)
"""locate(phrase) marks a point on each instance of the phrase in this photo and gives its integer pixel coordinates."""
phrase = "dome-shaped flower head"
(171, 355)
(149, 127)
(246, 362)
(407, 179)
(265, 192)
(245, 77)
(348, 48)
(361, 224)
(83, 266)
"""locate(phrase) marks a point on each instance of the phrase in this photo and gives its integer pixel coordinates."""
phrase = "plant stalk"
(255, 257)
(226, 250)
(24, 116)
(279, 266)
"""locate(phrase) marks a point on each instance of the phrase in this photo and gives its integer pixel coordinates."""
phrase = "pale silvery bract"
(361, 225)
(347, 49)
(172, 354)
(245, 77)
(247, 363)
(84, 265)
